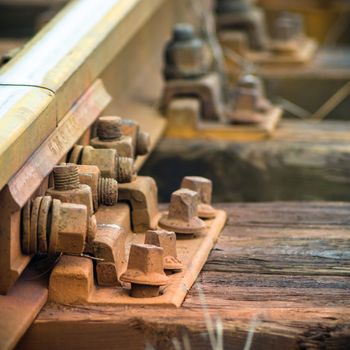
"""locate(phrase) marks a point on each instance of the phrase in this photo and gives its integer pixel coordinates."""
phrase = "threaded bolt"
(125, 169)
(66, 177)
(109, 128)
(107, 191)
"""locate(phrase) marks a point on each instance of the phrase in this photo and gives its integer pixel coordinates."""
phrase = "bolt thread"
(66, 177)
(107, 191)
(109, 128)
(125, 169)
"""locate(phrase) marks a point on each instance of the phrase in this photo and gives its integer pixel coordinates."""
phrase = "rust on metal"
(108, 161)
(104, 190)
(246, 105)
(249, 104)
(182, 216)
(110, 135)
(204, 188)
(109, 246)
(167, 241)
(145, 270)
(43, 223)
(67, 187)
(242, 27)
(142, 196)
(186, 55)
(141, 140)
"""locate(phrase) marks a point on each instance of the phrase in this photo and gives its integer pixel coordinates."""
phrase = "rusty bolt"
(66, 177)
(110, 135)
(108, 128)
(167, 241)
(249, 102)
(67, 187)
(68, 228)
(104, 159)
(107, 191)
(109, 163)
(145, 270)
(51, 226)
(288, 33)
(143, 143)
(141, 140)
(183, 213)
(203, 187)
(186, 56)
(104, 190)
(125, 169)
(288, 26)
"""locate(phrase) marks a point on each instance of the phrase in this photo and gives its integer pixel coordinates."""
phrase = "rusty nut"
(67, 187)
(104, 190)
(69, 226)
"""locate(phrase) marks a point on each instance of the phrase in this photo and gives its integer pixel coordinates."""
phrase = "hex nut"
(183, 213)
(167, 241)
(68, 228)
(104, 190)
(109, 128)
(90, 175)
(203, 187)
(110, 135)
(80, 195)
(67, 187)
(186, 55)
(143, 143)
(104, 159)
(145, 270)
(123, 145)
(141, 140)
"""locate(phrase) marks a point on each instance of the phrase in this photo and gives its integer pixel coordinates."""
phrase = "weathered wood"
(302, 161)
(285, 265)
(19, 308)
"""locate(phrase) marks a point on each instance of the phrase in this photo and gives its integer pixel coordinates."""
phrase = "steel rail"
(40, 85)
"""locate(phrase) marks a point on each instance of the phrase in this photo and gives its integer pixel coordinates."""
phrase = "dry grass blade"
(216, 344)
(249, 340)
(176, 344)
(292, 108)
(186, 342)
(332, 103)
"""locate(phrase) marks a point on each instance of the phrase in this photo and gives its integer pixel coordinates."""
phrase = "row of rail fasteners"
(63, 220)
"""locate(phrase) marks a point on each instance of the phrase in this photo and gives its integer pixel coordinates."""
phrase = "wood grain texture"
(285, 265)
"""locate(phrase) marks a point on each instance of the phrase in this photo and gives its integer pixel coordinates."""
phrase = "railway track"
(99, 58)
(55, 88)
